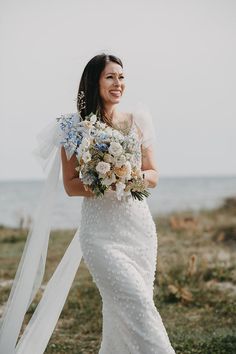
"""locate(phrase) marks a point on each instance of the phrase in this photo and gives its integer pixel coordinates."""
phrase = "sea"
(19, 199)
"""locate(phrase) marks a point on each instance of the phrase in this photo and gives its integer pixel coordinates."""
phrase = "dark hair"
(89, 85)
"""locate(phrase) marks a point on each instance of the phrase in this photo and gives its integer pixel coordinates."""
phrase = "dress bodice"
(133, 134)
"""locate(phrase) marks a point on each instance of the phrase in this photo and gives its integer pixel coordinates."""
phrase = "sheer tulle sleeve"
(144, 121)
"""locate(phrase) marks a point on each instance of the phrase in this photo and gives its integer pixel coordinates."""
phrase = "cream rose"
(103, 167)
(115, 148)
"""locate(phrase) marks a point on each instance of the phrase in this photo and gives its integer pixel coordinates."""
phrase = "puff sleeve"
(144, 121)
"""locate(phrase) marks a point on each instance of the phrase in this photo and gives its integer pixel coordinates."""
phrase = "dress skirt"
(118, 239)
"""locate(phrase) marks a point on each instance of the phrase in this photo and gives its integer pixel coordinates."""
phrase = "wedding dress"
(118, 242)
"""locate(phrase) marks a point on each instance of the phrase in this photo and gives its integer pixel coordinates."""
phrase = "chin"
(116, 100)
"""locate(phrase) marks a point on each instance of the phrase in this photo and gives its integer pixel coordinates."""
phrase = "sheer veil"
(31, 268)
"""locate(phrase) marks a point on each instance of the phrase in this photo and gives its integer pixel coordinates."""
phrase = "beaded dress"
(118, 241)
(119, 244)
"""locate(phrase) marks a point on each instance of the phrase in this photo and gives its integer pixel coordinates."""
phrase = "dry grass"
(195, 286)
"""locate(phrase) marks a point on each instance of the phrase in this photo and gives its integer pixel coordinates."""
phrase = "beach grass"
(194, 289)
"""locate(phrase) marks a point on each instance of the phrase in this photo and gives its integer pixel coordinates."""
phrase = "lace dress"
(118, 239)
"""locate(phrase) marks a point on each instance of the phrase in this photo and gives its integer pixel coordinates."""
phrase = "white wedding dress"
(118, 241)
(119, 244)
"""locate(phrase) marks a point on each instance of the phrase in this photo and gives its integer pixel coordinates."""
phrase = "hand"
(145, 180)
(88, 191)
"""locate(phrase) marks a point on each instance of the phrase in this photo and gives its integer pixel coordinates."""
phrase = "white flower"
(93, 118)
(85, 143)
(100, 125)
(103, 167)
(107, 181)
(115, 148)
(87, 124)
(120, 161)
(129, 168)
(86, 156)
(120, 190)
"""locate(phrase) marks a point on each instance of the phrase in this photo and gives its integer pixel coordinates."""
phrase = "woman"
(117, 238)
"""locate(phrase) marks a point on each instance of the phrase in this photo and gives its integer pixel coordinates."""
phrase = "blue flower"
(101, 147)
(79, 140)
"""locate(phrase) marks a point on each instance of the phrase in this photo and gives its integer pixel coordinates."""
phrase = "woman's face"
(111, 83)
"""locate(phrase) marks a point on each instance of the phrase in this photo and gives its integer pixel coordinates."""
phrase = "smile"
(116, 93)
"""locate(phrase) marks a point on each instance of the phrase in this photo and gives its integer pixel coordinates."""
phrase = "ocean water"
(18, 199)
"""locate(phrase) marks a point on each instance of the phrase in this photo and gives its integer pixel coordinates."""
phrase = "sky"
(179, 59)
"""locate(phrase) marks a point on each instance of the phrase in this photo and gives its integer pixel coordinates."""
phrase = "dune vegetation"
(195, 285)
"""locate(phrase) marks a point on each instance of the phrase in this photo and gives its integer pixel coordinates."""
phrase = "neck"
(110, 111)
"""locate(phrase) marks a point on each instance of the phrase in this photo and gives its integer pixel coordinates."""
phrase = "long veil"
(31, 268)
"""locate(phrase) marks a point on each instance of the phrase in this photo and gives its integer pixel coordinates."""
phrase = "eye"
(110, 76)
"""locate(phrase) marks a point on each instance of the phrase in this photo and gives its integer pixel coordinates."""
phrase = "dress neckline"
(130, 129)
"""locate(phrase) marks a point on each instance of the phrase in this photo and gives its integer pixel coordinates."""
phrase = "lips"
(116, 93)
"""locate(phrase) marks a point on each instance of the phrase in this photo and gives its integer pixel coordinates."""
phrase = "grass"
(194, 290)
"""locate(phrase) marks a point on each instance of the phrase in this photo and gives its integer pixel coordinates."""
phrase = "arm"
(72, 183)
(149, 167)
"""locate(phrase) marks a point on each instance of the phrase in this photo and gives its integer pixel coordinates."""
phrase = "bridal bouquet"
(107, 159)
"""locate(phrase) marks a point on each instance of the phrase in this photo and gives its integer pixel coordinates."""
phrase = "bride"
(117, 237)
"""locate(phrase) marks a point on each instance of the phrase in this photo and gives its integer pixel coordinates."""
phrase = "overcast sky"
(179, 59)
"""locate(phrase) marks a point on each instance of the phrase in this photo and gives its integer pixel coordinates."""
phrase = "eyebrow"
(113, 73)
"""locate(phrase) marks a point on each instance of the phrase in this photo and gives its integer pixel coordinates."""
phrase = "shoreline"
(160, 215)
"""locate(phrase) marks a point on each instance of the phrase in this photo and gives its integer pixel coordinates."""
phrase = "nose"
(116, 82)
